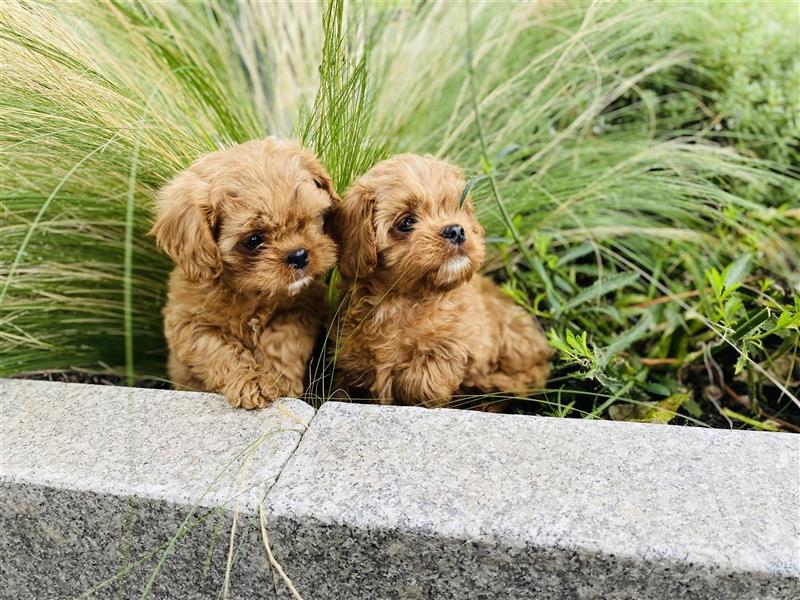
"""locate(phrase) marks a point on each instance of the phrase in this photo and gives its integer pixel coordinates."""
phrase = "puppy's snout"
(454, 234)
(297, 259)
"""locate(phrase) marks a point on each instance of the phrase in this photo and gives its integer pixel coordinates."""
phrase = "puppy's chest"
(404, 328)
(249, 329)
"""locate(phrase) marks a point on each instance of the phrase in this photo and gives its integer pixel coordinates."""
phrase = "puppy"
(417, 324)
(245, 227)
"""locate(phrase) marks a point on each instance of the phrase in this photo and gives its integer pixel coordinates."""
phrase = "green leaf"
(727, 291)
(788, 320)
(578, 343)
(662, 411)
(764, 425)
(473, 181)
(743, 328)
(574, 254)
(602, 287)
(658, 389)
(737, 271)
(715, 279)
(691, 406)
(628, 338)
(510, 149)
(742, 360)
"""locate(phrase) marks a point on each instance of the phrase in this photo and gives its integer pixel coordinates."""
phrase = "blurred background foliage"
(637, 166)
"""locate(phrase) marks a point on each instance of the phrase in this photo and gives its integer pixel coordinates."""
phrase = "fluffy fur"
(417, 324)
(240, 318)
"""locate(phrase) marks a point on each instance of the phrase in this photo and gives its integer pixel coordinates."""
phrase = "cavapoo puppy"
(245, 227)
(417, 324)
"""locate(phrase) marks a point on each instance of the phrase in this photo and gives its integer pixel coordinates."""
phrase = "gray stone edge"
(210, 499)
(565, 572)
(131, 543)
(280, 526)
(21, 502)
(639, 575)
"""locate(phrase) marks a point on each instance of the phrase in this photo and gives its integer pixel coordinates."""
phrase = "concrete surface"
(104, 489)
(95, 481)
(412, 503)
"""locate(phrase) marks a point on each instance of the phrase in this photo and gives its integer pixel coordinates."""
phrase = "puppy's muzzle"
(454, 234)
(297, 259)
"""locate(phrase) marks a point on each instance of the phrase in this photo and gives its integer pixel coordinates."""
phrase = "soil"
(95, 379)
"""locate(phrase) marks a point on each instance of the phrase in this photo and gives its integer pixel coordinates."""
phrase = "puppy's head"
(252, 216)
(402, 221)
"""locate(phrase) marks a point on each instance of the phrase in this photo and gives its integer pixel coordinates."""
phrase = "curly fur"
(239, 321)
(417, 324)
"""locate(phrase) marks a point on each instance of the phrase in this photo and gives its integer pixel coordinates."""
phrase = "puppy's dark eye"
(253, 241)
(406, 224)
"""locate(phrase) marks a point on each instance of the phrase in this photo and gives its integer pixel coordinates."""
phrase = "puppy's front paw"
(251, 392)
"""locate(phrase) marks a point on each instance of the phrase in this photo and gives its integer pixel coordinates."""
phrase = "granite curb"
(400, 502)
(104, 488)
(105, 491)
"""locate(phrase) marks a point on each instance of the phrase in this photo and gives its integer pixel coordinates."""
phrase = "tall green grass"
(641, 165)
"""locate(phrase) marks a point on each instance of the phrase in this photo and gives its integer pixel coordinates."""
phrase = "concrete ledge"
(391, 502)
(96, 481)
(382, 502)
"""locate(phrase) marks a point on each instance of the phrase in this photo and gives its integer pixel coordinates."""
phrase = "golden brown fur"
(242, 320)
(417, 324)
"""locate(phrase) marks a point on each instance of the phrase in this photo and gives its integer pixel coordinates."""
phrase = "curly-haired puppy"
(418, 324)
(245, 227)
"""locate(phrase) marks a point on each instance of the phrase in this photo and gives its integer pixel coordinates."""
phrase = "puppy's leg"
(224, 365)
(284, 349)
(182, 377)
(285, 345)
(521, 358)
(429, 380)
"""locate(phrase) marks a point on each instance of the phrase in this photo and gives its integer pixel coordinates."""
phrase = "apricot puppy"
(245, 227)
(418, 324)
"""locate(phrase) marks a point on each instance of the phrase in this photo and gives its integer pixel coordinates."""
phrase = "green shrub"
(638, 160)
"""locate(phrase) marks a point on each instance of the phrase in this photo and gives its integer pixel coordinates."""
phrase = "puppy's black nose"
(297, 259)
(454, 234)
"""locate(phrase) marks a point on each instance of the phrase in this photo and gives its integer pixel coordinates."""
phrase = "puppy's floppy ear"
(353, 229)
(184, 226)
(324, 182)
(319, 175)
